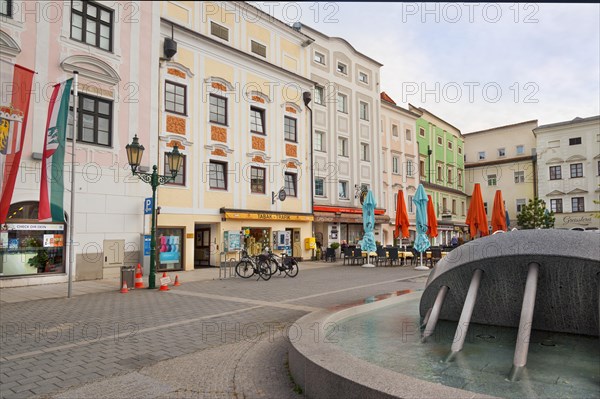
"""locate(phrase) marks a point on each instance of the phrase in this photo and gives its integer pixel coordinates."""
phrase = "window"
(289, 128)
(395, 165)
(257, 180)
(454, 207)
(342, 103)
(520, 204)
(364, 152)
(577, 204)
(362, 77)
(408, 135)
(485, 207)
(520, 177)
(440, 177)
(444, 206)
(319, 58)
(575, 141)
(410, 204)
(217, 178)
(439, 140)
(92, 23)
(6, 8)
(219, 31)
(556, 205)
(422, 168)
(555, 173)
(481, 155)
(180, 178)
(319, 141)
(258, 48)
(394, 130)
(384, 161)
(501, 152)
(342, 146)
(460, 150)
(175, 98)
(343, 189)
(409, 168)
(449, 145)
(520, 150)
(364, 111)
(449, 176)
(421, 132)
(94, 125)
(257, 120)
(342, 68)
(491, 180)
(598, 168)
(319, 95)
(319, 187)
(462, 208)
(218, 109)
(290, 184)
(459, 178)
(576, 170)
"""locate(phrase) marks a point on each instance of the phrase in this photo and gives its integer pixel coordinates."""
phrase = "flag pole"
(72, 211)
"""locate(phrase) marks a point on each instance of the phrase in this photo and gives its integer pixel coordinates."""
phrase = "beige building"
(399, 157)
(569, 171)
(502, 158)
(231, 98)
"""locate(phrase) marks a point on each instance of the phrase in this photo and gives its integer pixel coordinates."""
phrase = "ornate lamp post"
(134, 157)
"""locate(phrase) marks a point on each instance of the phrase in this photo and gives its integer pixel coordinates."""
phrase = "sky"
(478, 65)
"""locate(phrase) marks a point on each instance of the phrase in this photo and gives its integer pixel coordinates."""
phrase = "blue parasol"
(368, 242)
(507, 220)
(421, 241)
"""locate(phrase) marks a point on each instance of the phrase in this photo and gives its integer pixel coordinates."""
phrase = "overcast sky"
(477, 65)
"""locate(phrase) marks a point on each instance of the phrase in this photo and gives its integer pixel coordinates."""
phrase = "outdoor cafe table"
(428, 254)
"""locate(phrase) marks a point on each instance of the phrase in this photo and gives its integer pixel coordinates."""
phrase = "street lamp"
(134, 157)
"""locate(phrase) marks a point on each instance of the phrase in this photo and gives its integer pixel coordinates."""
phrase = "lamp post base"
(421, 268)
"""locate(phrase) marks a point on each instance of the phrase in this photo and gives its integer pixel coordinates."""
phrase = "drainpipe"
(306, 96)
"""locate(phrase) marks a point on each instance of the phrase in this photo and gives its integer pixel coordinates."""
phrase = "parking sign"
(148, 206)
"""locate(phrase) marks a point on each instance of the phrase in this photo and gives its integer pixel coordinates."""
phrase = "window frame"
(97, 20)
(81, 111)
(481, 155)
(169, 82)
(517, 149)
(363, 111)
(364, 152)
(286, 127)
(322, 57)
(395, 131)
(320, 98)
(322, 180)
(552, 172)
(421, 131)
(519, 176)
(225, 107)
(343, 147)
(343, 183)
(181, 172)
(224, 167)
(226, 29)
(262, 113)
(501, 152)
(366, 79)
(580, 203)
(344, 69)
(9, 10)
(321, 141)
(578, 170)
(264, 180)
(519, 204)
(258, 45)
(408, 135)
(294, 181)
(573, 140)
(440, 140)
(395, 165)
(344, 97)
(556, 205)
(492, 178)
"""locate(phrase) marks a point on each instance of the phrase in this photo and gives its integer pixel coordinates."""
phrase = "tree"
(535, 215)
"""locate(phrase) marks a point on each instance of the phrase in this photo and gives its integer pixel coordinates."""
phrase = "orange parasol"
(498, 213)
(401, 217)
(476, 217)
(431, 219)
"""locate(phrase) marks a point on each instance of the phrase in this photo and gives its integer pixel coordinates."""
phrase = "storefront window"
(28, 247)
(169, 242)
(256, 239)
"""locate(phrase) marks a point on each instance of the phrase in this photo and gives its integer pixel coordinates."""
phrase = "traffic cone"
(124, 290)
(139, 282)
(164, 287)
(177, 283)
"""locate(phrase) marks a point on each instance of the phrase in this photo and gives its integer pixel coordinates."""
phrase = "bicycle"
(248, 267)
(288, 264)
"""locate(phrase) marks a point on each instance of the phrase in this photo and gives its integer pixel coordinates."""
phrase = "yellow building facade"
(232, 99)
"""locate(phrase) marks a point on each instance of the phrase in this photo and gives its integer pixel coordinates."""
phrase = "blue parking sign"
(148, 206)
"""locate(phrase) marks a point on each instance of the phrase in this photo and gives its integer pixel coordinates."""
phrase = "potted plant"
(334, 246)
(40, 260)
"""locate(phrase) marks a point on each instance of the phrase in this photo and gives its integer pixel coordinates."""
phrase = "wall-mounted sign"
(53, 240)
(268, 216)
(35, 226)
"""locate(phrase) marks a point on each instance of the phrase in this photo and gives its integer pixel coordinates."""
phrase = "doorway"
(202, 247)
(295, 240)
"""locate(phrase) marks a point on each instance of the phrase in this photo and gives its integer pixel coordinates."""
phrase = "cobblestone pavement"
(213, 339)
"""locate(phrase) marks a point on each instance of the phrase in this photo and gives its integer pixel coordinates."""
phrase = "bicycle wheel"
(273, 266)
(264, 270)
(292, 267)
(244, 269)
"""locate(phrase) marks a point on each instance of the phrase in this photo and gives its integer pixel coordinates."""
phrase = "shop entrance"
(202, 247)
(296, 250)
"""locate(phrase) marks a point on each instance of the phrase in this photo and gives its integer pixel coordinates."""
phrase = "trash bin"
(128, 276)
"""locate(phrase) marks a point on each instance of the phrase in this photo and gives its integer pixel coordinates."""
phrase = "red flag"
(15, 92)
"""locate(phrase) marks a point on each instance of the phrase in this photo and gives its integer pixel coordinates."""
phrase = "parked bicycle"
(284, 264)
(248, 266)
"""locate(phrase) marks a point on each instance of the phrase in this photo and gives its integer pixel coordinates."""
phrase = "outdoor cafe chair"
(346, 255)
(381, 256)
(393, 256)
(330, 254)
(436, 255)
(357, 257)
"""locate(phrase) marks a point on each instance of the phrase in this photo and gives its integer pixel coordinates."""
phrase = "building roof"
(502, 127)
(389, 102)
(575, 121)
(384, 97)
(413, 108)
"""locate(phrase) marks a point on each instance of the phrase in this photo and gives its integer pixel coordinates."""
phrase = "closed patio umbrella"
(368, 242)
(402, 222)
(498, 213)
(431, 219)
(421, 241)
(476, 216)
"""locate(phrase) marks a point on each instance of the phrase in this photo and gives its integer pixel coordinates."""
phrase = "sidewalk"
(59, 290)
